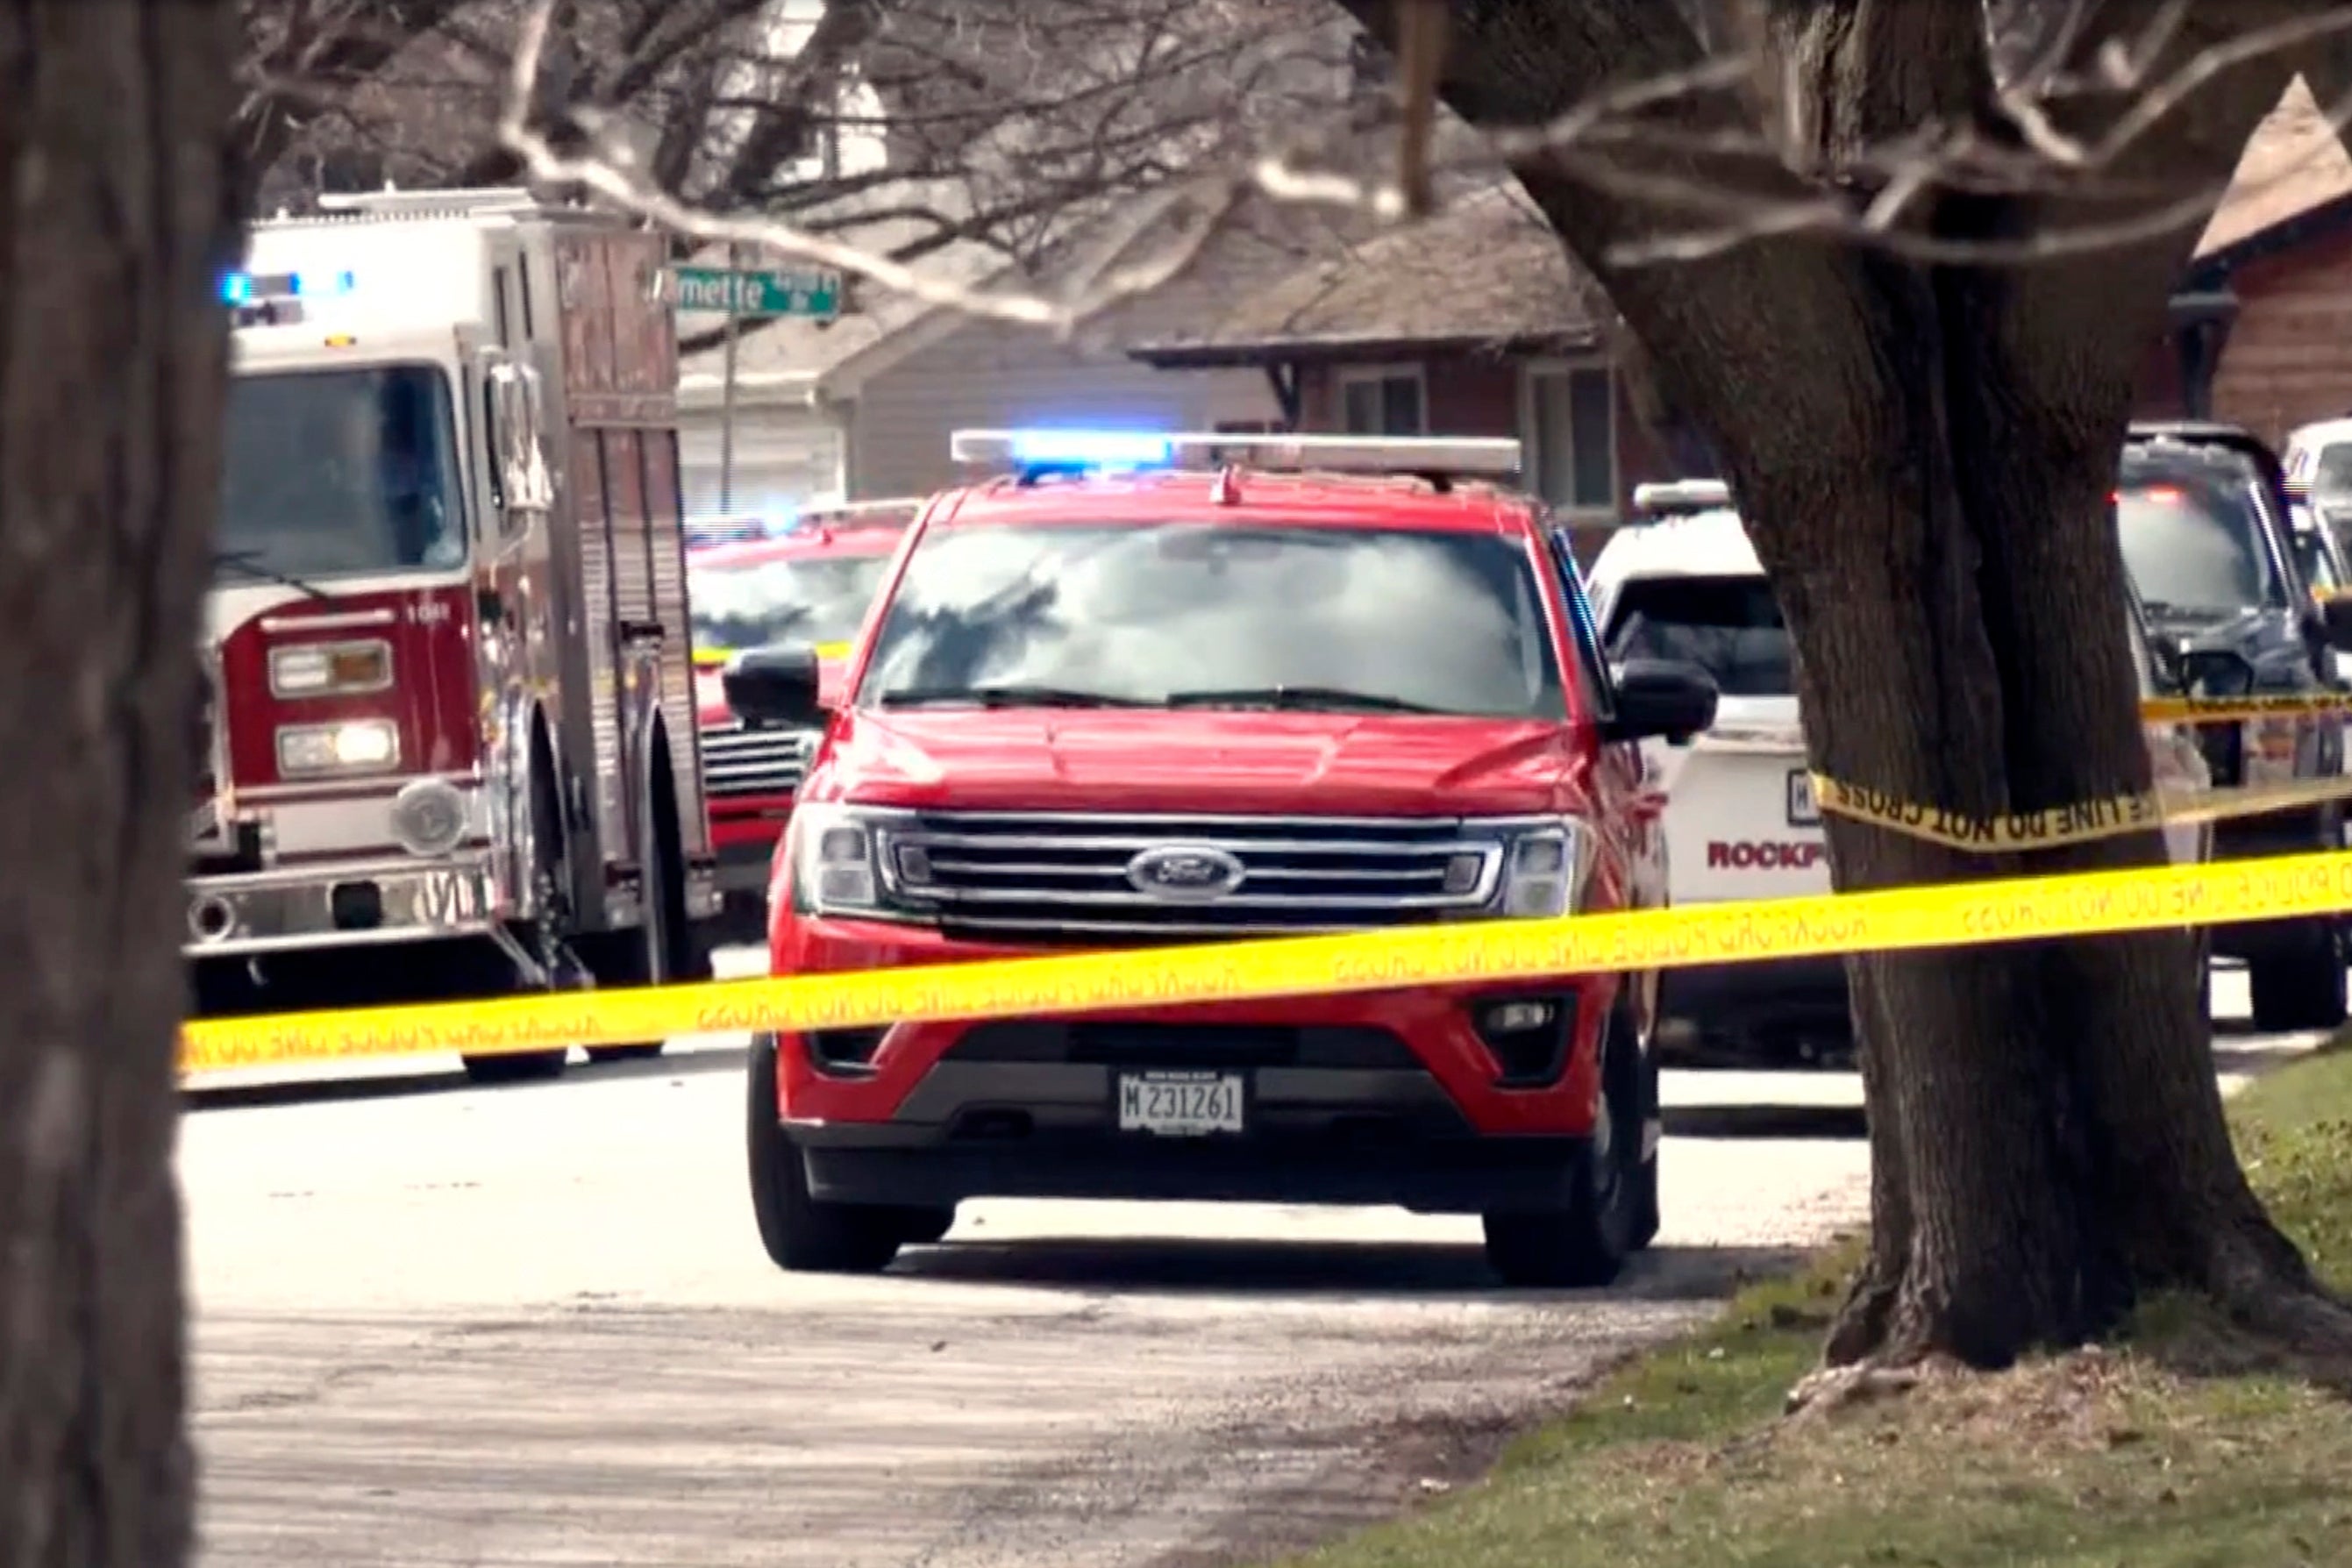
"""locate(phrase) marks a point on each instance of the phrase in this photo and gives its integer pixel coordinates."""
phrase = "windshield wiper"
(1010, 696)
(250, 561)
(1307, 698)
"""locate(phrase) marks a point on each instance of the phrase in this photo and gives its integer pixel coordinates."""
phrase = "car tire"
(1587, 1243)
(2205, 979)
(1646, 1212)
(2301, 988)
(925, 1226)
(517, 1066)
(801, 1234)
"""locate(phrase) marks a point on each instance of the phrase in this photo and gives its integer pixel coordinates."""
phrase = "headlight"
(832, 862)
(1543, 872)
(361, 746)
(331, 668)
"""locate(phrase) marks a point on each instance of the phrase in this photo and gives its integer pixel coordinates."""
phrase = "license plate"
(1802, 812)
(1179, 1104)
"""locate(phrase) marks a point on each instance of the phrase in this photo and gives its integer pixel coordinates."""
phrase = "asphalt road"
(443, 1325)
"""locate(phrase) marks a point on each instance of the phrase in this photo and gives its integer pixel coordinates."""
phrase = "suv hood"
(1307, 765)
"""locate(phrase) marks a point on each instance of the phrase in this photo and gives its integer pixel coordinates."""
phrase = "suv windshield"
(801, 599)
(2193, 540)
(1216, 616)
(339, 473)
(1729, 627)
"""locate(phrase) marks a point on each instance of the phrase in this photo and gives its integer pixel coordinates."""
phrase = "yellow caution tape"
(2225, 710)
(1496, 951)
(2084, 822)
(712, 658)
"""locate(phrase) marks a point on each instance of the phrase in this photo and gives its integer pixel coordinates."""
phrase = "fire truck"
(448, 741)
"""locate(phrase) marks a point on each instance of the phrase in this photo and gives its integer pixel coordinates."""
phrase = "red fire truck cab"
(449, 745)
(813, 585)
(1110, 700)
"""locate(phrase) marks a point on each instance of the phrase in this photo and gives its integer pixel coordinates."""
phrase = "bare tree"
(113, 352)
(1917, 277)
(906, 128)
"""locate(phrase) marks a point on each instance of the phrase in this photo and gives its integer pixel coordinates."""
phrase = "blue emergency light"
(1090, 449)
(242, 288)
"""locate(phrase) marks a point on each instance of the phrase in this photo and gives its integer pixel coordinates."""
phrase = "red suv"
(811, 585)
(1110, 700)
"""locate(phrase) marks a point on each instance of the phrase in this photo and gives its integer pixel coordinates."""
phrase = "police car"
(1683, 583)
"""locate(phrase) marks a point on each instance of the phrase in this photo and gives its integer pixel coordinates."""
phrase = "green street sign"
(777, 293)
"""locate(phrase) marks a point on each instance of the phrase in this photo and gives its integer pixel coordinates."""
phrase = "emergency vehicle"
(812, 584)
(1145, 689)
(449, 731)
(1682, 582)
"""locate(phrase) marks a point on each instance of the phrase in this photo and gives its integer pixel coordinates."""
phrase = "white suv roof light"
(1678, 496)
(1498, 458)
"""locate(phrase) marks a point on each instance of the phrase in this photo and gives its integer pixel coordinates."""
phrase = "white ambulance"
(1683, 583)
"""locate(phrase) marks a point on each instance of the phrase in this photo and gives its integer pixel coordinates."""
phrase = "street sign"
(774, 294)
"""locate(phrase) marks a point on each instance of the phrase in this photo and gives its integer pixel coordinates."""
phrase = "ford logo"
(1185, 873)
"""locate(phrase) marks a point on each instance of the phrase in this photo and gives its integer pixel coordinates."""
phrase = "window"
(816, 599)
(1599, 696)
(1571, 423)
(2194, 540)
(1383, 401)
(2331, 478)
(340, 473)
(2311, 555)
(1240, 616)
(1729, 627)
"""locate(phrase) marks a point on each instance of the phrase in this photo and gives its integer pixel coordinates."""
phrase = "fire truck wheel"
(515, 1067)
(669, 950)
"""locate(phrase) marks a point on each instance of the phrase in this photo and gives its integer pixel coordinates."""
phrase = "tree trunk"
(116, 225)
(1923, 453)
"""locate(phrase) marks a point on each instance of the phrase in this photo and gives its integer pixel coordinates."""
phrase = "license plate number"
(1179, 1104)
(1802, 812)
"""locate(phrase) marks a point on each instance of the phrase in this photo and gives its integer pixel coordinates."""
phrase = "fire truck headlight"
(361, 746)
(329, 670)
(428, 816)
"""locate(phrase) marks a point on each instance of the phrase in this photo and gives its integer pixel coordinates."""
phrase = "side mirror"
(2337, 612)
(1661, 697)
(775, 687)
(2215, 673)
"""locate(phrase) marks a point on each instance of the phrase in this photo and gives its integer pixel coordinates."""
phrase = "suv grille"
(738, 762)
(1046, 878)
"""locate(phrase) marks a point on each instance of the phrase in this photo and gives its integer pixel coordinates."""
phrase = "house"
(2261, 331)
(864, 406)
(1472, 323)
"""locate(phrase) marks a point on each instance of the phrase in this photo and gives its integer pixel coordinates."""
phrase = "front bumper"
(743, 862)
(1422, 1070)
(348, 905)
(1461, 1174)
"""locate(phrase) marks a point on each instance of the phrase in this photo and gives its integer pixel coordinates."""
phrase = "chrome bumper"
(341, 906)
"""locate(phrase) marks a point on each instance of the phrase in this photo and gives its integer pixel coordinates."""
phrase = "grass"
(2087, 1460)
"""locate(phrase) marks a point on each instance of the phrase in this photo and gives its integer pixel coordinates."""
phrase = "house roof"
(1484, 271)
(2293, 165)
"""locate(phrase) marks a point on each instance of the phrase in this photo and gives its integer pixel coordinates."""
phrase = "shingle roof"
(1484, 270)
(2293, 163)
